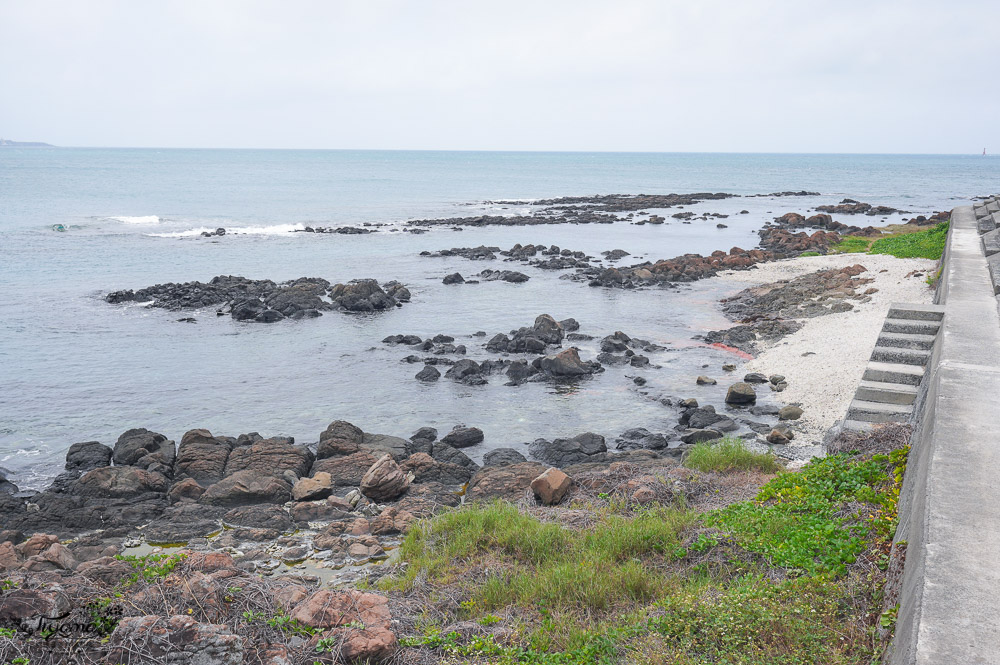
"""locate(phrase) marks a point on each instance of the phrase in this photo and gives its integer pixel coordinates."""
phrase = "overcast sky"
(699, 75)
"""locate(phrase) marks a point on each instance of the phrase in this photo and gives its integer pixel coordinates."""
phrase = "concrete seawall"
(949, 611)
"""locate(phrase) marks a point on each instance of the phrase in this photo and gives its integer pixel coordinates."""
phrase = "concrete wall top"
(950, 600)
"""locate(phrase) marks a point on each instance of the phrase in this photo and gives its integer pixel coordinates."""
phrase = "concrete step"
(911, 326)
(920, 312)
(876, 412)
(893, 373)
(856, 425)
(890, 354)
(886, 393)
(906, 340)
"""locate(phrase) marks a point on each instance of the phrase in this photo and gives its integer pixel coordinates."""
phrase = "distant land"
(24, 144)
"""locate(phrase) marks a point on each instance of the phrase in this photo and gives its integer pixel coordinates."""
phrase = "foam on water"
(271, 230)
(140, 219)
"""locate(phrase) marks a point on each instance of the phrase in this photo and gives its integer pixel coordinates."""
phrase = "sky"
(877, 76)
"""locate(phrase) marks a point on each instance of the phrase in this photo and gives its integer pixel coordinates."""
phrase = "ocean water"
(74, 368)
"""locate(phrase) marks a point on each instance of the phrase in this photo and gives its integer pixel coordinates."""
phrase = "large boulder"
(179, 640)
(7, 487)
(427, 469)
(339, 438)
(260, 516)
(741, 393)
(246, 488)
(384, 481)
(182, 522)
(120, 482)
(503, 457)
(586, 447)
(270, 456)
(359, 623)
(548, 329)
(202, 457)
(383, 444)
(551, 486)
(20, 605)
(345, 471)
(135, 444)
(463, 437)
(88, 455)
(442, 452)
(319, 486)
(511, 482)
(565, 364)
(362, 295)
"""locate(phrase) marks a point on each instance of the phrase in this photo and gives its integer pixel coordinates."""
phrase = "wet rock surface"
(265, 301)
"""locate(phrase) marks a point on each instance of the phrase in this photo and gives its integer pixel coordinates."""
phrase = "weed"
(927, 244)
(729, 455)
(151, 567)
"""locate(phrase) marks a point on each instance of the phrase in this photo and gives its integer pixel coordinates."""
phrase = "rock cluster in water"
(265, 301)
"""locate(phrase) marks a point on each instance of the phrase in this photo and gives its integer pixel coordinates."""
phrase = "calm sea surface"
(73, 368)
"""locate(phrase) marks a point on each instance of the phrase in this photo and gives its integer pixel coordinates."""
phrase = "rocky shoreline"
(281, 518)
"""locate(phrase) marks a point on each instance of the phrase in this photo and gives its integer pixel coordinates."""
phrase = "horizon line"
(508, 151)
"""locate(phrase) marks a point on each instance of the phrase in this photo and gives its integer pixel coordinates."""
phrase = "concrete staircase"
(889, 386)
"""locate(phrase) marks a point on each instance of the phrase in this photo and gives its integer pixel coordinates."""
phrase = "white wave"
(274, 230)
(142, 219)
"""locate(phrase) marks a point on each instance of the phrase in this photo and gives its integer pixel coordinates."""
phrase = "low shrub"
(729, 455)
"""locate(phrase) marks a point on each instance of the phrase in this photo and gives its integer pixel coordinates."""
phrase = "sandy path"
(823, 383)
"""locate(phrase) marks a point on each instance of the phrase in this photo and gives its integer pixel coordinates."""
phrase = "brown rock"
(341, 612)
(10, 558)
(201, 457)
(551, 486)
(55, 557)
(789, 413)
(393, 520)
(741, 393)
(208, 562)
(185, 490)
(270, 456)
(565, 363)
(290, 595)
(19, 604)
(346, 470)
(37, 544)
(317, 487)
(106, 569)
(181, 639)
(384, 481)
(510, 482)
(339, 438)
(706, 381)
(203, 596)
(427, 469)
(120, 482)
(246, 488)
(317, 511)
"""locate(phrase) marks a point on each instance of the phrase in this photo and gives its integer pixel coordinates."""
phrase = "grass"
(729, 455)
(790, 577)
(927, 244)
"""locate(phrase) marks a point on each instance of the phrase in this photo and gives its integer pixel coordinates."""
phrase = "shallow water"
(75, 368)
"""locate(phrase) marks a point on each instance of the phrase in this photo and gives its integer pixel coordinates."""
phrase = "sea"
(77, 223)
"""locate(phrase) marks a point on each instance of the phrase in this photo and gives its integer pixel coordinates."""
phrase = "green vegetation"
(852, 245)
(927, 244)
(729, 454)
(920, 245)
(151, 567)
(775, 580)
(803, 254)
